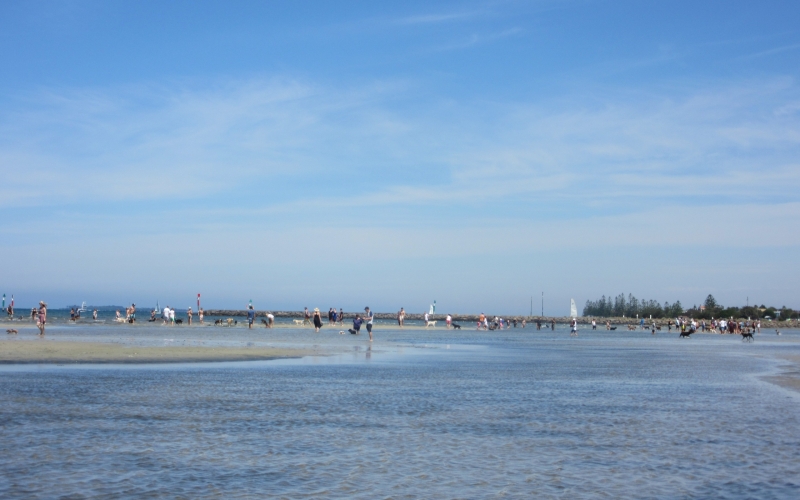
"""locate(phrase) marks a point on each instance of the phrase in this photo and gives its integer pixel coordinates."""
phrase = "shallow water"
(418, 414)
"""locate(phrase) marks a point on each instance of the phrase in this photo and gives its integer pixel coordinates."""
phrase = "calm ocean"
(425, 414)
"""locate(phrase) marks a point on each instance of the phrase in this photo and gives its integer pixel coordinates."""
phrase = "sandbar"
(64, 352)
(790, 377)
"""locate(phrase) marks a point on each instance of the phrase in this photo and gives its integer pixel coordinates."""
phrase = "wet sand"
(61, 352)
(790, 377)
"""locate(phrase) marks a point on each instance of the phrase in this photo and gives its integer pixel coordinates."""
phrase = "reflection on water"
(508, 414)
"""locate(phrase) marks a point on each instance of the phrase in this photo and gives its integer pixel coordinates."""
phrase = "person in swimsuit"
(341, 316)
(42, 319)
(189, 316)
(370, 317)
(94, 315)
(200, 315)
(270, 320)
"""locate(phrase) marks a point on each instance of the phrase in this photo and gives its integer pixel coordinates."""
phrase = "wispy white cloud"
(167, 144)
(479, 39)
(772, 51)
(438, 18)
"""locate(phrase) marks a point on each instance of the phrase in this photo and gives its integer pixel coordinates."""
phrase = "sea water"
(433, 414)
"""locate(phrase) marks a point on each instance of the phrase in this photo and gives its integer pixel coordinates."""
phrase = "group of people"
(334, 317)
(496, 323)
(130, 315)
(718, 326)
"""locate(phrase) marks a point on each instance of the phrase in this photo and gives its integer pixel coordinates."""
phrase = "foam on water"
(419, 414)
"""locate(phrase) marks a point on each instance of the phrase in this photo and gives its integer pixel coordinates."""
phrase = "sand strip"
(63, 352)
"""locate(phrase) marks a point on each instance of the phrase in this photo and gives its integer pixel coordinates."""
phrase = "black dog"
(352, 332)
(613, 327)
(178, 321)
(456, 326)
(687, 335)
(747, 337)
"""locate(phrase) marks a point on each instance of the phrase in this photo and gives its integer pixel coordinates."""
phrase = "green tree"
(711, 303)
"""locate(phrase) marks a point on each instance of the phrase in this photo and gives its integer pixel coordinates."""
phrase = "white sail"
(573, 311)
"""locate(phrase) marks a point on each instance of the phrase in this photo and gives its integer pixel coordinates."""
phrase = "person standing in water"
(189, 316)
(251, 316)
(200, 315)
(42, 317)
(317, 320)
(370, 317)
(306, 317)
(94, 315)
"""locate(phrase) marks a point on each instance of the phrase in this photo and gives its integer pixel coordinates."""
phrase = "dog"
(352, 332)
(11, 331)
(632, 327)
(230, 321)
(777, 332)
(456, 326)
(747, 337)
(430, 323)
(613, 328)
(658, 328)
(266, 325)
(218, 322)
(298, 321)
(178, 321)
(686, 334)
(341, 332)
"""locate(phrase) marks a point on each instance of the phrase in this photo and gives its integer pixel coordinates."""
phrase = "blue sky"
(364, 153)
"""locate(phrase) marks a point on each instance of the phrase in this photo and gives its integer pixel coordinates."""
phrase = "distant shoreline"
(440, 318)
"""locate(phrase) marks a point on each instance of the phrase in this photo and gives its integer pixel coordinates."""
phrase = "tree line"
(630, 307)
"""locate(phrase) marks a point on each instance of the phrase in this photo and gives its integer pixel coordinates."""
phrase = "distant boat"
(573, 311)
(158, 309)
(83, 307)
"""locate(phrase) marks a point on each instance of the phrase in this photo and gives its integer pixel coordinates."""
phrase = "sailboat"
(158, 309)
(82, 308)
(573, 311)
